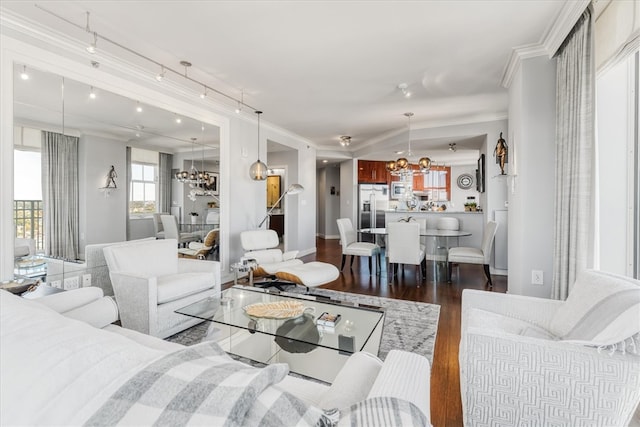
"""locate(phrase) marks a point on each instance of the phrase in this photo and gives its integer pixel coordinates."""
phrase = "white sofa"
(150, 282)
(58, 370)
(535, 361)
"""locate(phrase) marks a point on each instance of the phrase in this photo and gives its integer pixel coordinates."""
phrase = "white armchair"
(535, 361)
(150, 282)
(262, 245)
(24, 247)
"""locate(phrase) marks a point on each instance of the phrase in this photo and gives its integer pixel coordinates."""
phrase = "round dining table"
(438, 236)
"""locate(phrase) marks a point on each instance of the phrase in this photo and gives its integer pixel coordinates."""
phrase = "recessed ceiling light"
(138, 107)
(178, 120)
(404, 89)
(92, 93)
(398, 152)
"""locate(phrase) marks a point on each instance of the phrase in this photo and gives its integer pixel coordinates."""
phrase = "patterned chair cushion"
(602, 309)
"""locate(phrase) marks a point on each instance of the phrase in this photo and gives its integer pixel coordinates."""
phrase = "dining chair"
(171, 231)
(403, 247)
(481, 255)
(201, 250)
(351, 246)
(158, 228)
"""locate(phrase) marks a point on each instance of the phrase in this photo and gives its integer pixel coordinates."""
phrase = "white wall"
(532, 192)
(349, 190)
(458, 195)
(102, 219)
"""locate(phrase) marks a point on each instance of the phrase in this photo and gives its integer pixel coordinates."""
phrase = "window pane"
(149, 192)
(137, 192)
(136, 172)
(149, 173)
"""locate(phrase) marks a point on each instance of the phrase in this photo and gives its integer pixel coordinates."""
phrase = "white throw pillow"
(602, 308)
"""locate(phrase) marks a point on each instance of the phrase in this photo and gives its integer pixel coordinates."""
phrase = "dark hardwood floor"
(446, 409)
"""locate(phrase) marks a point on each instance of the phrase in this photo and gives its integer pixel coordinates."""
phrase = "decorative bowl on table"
(17, 286)
(276, 310)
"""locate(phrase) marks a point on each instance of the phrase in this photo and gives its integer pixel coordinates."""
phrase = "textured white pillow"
(602, 308)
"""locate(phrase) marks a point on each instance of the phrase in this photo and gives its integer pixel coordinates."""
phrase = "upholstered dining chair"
(158, 228)
(351, 246)
(481, 255)
(403, 246)
(171, 231)
(201, 250)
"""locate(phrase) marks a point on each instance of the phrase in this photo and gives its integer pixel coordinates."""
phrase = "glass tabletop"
(351, 333)
(428, 232)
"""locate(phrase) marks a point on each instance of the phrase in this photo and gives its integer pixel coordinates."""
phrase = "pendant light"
(402, 166)
(258, 170)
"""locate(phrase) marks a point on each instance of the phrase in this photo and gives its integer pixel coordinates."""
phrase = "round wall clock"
(465, 181)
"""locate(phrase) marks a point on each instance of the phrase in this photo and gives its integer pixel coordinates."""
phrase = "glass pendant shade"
(425, 164)
(258, 171)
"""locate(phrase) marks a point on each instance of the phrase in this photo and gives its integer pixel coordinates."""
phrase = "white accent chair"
(201, 250)
(482, 255)
(172, 231)
(24, 247)
(262, 246)
(536, 361)
(351, 246)
(150, 282)
(403, 246)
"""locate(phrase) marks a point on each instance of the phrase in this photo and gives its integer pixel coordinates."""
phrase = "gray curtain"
(60, 194)
(164, 182)
(575, 157)
(128, 190)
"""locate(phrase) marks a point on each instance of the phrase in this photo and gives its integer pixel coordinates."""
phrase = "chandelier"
(402, 167)
(193, 176)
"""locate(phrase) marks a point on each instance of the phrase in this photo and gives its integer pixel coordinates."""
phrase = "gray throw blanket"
(203, 385)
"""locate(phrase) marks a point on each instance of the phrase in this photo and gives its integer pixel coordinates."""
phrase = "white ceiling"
(322, 69)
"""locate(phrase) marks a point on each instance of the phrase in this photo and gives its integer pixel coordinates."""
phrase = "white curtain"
(575, 157)
(60, 194)
(128, 190)
(164, 182)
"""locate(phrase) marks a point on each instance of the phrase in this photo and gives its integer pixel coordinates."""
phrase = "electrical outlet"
(537, 277)
(71, 283)
(56, 284)
(86, 280)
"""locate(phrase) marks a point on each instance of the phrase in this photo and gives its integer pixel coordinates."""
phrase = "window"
(143, 188)
(27, 194)
(437, 183)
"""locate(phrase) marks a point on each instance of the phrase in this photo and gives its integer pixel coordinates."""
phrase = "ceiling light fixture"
(402, 167)
(258, 170)
(203, 95)
(345, 140)
(186, 65)
(178, 119)
(404, 88)
(452, 147)
(191, 176)
(138, 107)
(240, 103)
(92, 47)
(92, 93)
(163, 69)
(24, 75)
(161, 74)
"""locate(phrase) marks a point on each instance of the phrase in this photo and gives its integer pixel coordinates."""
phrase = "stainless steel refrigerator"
(373, 201)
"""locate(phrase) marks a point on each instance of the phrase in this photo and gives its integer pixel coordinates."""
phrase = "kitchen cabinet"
(372, 172)
(418, 180)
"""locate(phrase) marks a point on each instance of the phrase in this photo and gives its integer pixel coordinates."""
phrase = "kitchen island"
(472, 222)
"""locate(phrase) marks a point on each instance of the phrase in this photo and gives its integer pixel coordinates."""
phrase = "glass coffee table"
(313, 350)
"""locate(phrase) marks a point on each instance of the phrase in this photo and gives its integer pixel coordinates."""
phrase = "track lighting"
(92, 93)
(138, 107)
(452, 147)
(178, 119)
(240, 103)
(161, 74)
(24, 75)
(203, 95)
(345, 140)
(404, 89)
(92, 47)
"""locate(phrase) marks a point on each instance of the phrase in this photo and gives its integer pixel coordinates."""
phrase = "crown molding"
(563, 25)
(550, 42)
(517, 55)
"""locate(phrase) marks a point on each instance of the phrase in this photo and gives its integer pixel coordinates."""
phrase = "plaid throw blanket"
(203, 385)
